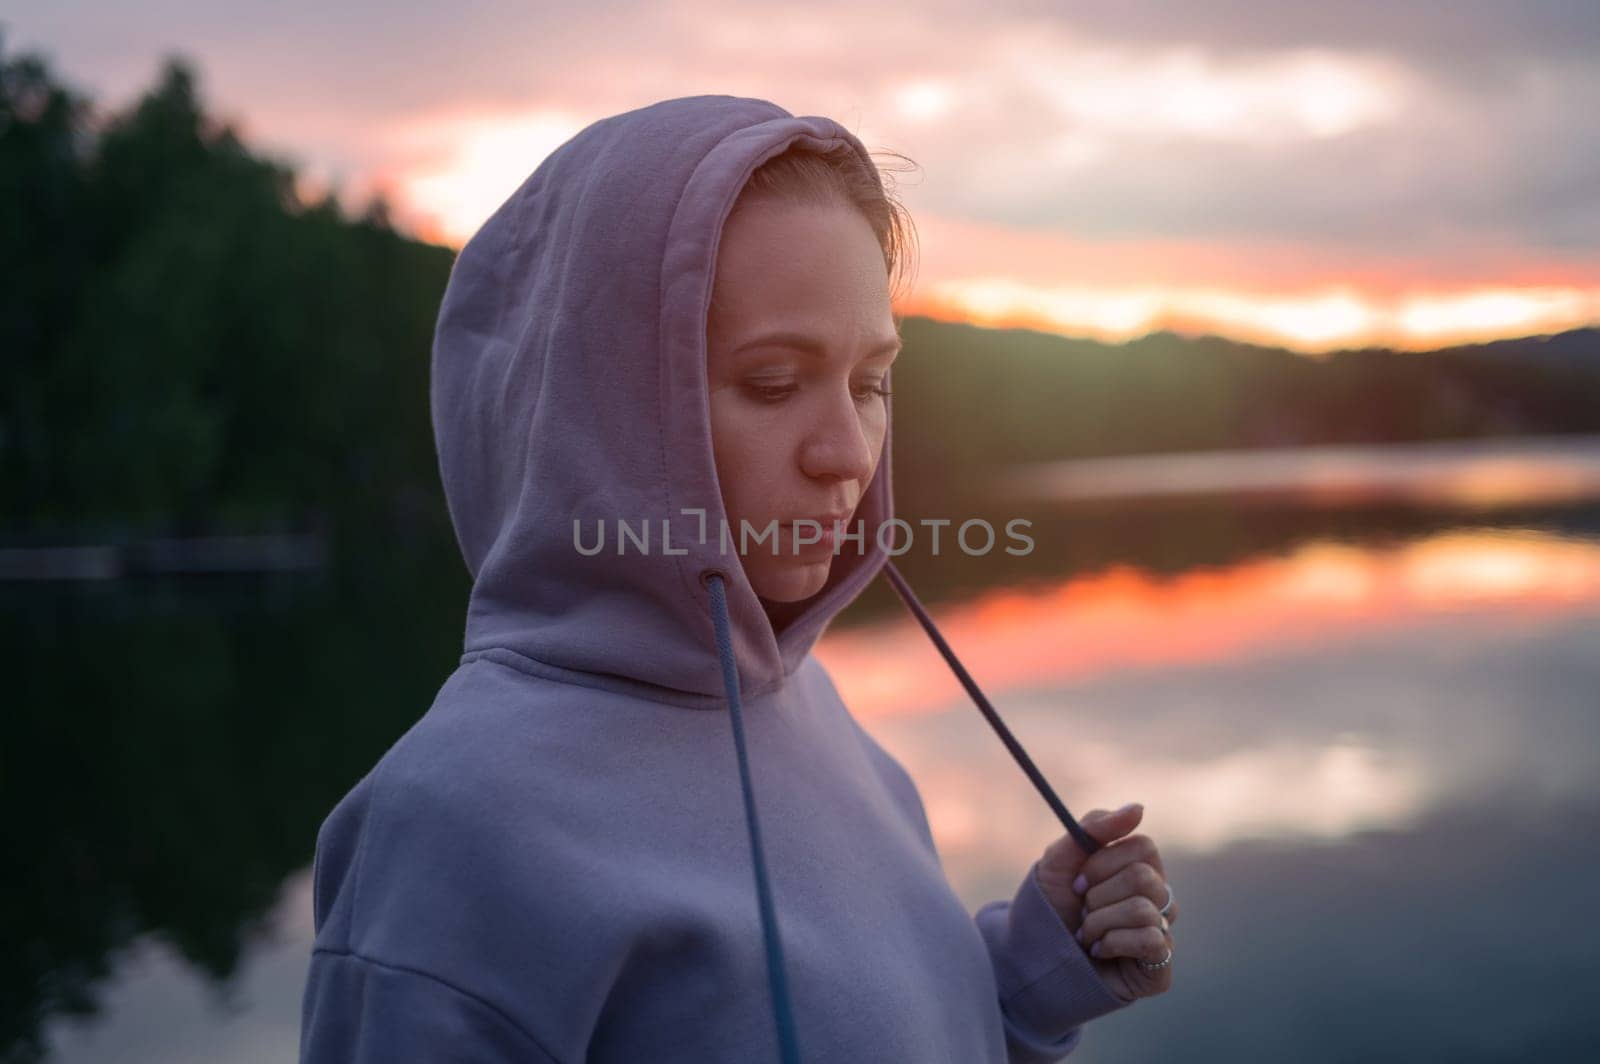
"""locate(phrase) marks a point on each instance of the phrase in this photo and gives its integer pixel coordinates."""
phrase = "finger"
(1101, 825)
(1065, 849)
(1106, 864)
(1064, 860)
(1090, 822)
(1148, 944)
(1138, 911)
(1104, 827)
(1107, 861)
(1136, 879)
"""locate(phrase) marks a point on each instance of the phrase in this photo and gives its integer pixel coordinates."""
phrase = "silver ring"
(1165, 909)
(1147, 966)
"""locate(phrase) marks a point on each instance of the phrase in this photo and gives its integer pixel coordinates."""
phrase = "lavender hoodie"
(557, 862)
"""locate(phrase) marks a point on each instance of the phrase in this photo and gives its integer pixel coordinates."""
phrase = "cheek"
(874, 428)
(748, 445)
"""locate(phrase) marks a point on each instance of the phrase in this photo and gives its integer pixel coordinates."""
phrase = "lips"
(824, 529)
(825, 520)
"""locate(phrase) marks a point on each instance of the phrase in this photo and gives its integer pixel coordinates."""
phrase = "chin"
(793, 582)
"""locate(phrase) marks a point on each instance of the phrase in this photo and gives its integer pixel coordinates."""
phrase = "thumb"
(1103, 826)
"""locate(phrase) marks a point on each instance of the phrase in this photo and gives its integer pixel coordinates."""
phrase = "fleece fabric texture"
(553, 864)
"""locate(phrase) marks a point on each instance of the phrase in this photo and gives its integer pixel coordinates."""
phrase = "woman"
(555, 863)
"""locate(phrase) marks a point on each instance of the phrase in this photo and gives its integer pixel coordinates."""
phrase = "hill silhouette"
(193, 348)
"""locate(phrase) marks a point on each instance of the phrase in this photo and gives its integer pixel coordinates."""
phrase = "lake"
(1357, 691)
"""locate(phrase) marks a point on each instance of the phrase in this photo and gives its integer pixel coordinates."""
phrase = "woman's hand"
(1111, 900)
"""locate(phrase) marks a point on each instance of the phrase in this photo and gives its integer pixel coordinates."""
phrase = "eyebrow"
(810, 345)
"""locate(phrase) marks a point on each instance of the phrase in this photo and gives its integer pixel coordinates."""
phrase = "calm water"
(1365, 727)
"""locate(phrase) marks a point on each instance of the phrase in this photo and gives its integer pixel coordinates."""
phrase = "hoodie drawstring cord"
(782, 1009)
(1085, 841)
(715, 580)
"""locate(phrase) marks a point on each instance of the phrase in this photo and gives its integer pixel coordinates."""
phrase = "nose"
(837, 446)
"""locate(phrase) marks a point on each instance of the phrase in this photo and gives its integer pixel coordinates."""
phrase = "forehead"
(785, 261)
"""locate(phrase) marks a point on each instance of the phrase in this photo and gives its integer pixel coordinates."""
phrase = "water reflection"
(168, 751)
(1371, 760)
(1379, 804)
(1302, 744)
(1012, 638)
(1468, 474)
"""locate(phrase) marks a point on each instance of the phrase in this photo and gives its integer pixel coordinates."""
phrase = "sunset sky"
(1300, 173)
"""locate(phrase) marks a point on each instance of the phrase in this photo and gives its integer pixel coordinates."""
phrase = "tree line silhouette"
(192, 346)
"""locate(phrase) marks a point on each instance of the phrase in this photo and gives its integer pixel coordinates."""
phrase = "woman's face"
(799, 339)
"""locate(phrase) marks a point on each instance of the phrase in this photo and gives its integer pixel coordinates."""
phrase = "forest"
(192, 347)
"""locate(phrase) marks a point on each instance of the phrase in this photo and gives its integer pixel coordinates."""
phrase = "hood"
(569, 388)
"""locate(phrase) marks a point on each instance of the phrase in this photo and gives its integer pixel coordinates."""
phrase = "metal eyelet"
(706, 574)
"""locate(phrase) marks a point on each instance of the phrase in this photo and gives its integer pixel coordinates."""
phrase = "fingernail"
(1128, 807)
(1080, 884)
(1094, 950)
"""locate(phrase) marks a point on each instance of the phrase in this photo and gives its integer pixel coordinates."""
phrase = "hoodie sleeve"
(382, 995)
(1048, 985)
(359, 1011)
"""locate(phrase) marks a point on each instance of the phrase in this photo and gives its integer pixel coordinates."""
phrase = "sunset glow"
(455, 169)
(1385, 179)
(458, 168)
(1316, 320)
